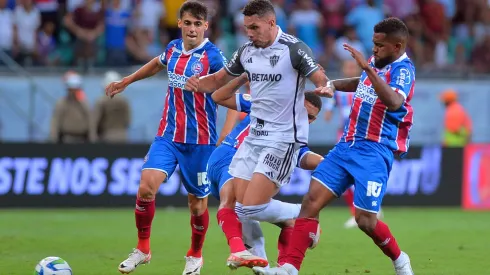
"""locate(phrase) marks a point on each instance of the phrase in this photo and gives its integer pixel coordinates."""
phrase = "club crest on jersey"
(273, 60)
(197, 67)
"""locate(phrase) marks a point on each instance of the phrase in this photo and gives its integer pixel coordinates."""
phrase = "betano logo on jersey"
(177, 80)
(266, 77)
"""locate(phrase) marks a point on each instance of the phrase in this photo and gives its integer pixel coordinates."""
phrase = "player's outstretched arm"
(208, 83)
(225, 96)
(310, 161)
(346, 84)
(149, 69)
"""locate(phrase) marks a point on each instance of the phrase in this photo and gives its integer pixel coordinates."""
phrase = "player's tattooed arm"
(346, 84)
(310, 161)
(225, 96)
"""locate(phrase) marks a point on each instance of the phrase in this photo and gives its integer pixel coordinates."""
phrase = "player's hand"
(361, 61)
(192, 84)
(115, 88)
(326, 91)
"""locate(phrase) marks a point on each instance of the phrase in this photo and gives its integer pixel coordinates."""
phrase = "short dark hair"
(195, 8)
(259, 8)
(314, 99)
(391, 26)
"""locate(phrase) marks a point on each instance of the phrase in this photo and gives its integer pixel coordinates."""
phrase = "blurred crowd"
(445, 34)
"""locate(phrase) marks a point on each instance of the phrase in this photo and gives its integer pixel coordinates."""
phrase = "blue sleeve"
(402, 78)
(216, 60)
(302, 152)
(166, 54)
(243, 103)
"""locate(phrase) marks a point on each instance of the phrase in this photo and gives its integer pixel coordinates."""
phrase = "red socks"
(199, 225)
(385, 241)
(144, 213)
(349, 199)
(301, 239)
(283, 243)
(232, 227)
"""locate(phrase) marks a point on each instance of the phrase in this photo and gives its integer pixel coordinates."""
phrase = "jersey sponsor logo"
(373, 189)
(197, 55)
(404, 77)
(266, 77)
(309, 60)
(197, 67)
(176, 80)
(234, 58)
(366, 93)
(272, 161)
(259, 133)
(274, 60)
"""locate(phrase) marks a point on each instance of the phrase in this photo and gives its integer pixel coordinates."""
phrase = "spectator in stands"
(457, 122)
(87, 24)
(71, 122)
(27, 21)
(363, 18)
(6, 29)
(144, 41)
(116, 25)
(305, 22)
(47, 53)
(349, 37)
(481, 56)
(112, 116)
(436, 32)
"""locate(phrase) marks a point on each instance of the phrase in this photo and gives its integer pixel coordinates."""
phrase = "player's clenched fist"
(192, 84)
(115, 88)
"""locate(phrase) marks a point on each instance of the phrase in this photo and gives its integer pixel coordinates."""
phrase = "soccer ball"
(53, 266)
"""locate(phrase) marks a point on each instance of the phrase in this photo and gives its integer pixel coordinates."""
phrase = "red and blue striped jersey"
(370, 119)
(189, 117)
(238, 134)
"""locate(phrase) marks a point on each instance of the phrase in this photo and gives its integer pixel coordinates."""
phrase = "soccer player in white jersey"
(378, 129)
(277, 65)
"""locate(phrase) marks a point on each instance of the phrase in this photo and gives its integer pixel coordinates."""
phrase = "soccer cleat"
(316, 237)
(134, 260)
(351, 222)
(193, 265)
(245, 258)
(402, 265)
(286, 269)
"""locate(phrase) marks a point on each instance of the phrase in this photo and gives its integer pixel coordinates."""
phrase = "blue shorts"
(217, 170)
(164, 155)
(364, 164)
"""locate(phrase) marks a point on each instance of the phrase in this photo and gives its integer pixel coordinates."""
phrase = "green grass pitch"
(94, 242)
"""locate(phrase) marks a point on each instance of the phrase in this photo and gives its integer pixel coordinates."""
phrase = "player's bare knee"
(147, 189)
(366, 221)
(149, 183)
(197, 206)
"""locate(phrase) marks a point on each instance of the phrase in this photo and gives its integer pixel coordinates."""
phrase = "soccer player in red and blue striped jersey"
(186, 135)
(378, 128)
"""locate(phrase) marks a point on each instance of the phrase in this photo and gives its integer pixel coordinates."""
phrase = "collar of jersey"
(196, 48)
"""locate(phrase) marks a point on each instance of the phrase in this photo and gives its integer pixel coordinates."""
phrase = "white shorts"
(276, 162)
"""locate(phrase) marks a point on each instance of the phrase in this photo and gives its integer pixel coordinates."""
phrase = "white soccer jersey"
(277, 76)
